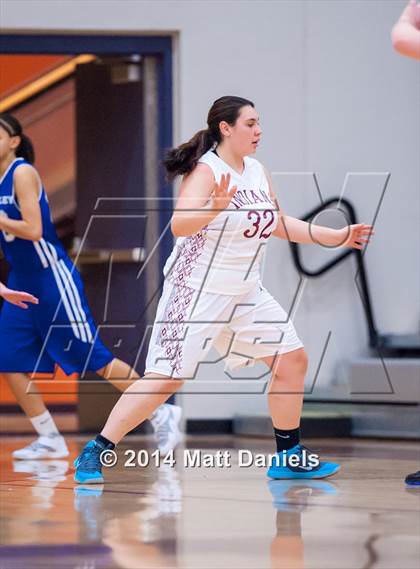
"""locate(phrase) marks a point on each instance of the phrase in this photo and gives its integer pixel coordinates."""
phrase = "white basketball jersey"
(225, 256)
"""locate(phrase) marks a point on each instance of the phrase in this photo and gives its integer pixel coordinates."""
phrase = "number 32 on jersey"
(262, 224)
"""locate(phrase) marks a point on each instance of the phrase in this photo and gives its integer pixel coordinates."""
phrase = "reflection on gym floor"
(200, 517)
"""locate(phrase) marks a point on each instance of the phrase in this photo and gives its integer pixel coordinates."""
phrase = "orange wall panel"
(15, 72)
(18, 70)
(59, 389)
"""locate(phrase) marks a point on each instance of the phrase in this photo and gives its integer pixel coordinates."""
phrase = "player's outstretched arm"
(405, 34)
(26, 183)
(298, 231)
(200, 200)
(16, 297)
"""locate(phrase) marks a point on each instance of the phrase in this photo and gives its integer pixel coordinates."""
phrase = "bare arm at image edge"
(406, 32)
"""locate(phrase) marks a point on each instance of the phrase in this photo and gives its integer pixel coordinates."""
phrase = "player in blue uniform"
(60, 329)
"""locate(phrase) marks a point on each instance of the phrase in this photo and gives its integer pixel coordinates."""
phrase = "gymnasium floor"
(200, 518)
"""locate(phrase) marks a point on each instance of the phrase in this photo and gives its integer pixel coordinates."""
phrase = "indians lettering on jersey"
(226, 255)
(249, 197)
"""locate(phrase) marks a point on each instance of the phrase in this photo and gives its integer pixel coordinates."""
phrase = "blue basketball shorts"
(59, 330)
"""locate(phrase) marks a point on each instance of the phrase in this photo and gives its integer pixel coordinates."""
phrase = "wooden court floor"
(227, 517)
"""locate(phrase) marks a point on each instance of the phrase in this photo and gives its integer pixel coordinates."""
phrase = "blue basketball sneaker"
(413, 479)
(300, 462)
(88, 464)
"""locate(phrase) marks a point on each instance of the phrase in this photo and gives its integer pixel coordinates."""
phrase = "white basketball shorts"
(242, 328)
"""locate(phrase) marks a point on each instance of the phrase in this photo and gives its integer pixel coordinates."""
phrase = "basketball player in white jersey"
(213, 296)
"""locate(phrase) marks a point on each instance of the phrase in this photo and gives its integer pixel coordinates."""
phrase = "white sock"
(44, 425)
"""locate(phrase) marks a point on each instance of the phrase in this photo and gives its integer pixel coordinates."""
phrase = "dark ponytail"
(13, 127)
(183, 160)
(25, 149)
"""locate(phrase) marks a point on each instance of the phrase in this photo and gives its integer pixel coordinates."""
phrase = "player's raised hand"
(17, 297)
(221, 196)
(357, 235)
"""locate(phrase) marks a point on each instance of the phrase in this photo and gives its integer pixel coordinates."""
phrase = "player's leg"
(285, 398)
(165, 420)
(20, 349)
(50, 443)
(120, 374)
(26, 393)
(135, 405)
(265, 333)
(180, 328)
(285, 393)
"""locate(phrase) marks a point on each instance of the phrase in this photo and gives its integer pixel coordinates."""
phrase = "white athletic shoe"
(43, 447)
(165, 422)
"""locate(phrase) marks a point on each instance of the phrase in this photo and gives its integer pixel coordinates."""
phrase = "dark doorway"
(123, 124)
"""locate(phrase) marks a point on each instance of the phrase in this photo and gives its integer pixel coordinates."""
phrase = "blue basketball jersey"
(24, 255)
(60, 329)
